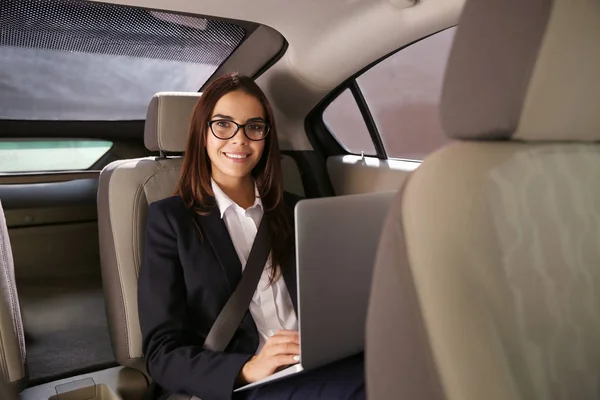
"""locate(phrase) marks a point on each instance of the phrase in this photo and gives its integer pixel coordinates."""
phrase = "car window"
(345, 122)
(50, 155)
(92, 61)
(402, 94)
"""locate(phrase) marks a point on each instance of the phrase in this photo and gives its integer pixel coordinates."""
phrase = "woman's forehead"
(239, 106)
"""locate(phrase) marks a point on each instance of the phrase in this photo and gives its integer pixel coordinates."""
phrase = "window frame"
(319, 135)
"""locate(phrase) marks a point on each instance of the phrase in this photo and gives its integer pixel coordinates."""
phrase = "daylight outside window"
(50, 155)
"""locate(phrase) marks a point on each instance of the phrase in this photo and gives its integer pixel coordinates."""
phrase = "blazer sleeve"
(175, 359)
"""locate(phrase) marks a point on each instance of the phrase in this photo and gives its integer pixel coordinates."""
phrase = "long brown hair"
(194, 185)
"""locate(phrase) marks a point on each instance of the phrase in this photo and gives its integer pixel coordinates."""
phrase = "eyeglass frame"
(243, 126)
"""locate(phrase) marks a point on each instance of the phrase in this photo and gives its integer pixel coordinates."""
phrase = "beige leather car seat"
(487, 281)
(13, 366)
(125, 189)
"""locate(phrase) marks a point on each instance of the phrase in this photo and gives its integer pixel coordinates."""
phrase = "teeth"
(236, 155)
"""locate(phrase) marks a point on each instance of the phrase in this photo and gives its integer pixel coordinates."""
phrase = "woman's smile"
(236, 156)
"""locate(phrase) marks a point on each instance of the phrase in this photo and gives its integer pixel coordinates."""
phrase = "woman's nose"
(239, 137)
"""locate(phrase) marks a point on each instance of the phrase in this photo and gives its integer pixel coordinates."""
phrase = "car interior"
(6, 391)
(481, 115)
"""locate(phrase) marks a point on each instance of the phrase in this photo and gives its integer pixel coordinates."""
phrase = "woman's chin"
(236, 171)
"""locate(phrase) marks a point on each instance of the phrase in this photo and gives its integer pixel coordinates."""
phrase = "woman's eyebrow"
(222, 116)
(253, 119)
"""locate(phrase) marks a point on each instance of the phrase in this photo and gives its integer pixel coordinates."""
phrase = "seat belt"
(233, 312)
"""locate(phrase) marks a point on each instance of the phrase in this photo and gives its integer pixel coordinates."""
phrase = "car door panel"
(52, 224)
(351, 174)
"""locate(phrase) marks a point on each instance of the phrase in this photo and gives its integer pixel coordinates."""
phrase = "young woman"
(197, 244)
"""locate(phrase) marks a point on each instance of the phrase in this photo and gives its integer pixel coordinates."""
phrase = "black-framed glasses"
(225, 129)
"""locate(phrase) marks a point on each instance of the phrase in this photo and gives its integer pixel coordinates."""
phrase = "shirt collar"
(224, 202)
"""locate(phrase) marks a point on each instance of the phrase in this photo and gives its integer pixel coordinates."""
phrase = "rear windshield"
(72, 60)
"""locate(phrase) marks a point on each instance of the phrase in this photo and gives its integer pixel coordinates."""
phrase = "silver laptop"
(336, 243)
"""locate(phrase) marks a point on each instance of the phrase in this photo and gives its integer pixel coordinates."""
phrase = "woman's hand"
(282, 349)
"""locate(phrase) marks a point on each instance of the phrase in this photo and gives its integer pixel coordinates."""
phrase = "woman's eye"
(223, 124)
(256, 127)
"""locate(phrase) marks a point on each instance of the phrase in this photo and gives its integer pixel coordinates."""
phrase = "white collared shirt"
(271, 306)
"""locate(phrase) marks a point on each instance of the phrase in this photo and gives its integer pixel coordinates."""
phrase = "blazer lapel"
(216, 233)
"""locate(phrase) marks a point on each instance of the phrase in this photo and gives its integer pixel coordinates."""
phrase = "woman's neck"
(240, 190)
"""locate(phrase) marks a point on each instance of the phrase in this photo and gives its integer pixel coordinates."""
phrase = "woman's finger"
(276, 338)
(283, 360)
(283, 348)
(286, 332)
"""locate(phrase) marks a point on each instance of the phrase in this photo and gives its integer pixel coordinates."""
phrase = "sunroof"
(76, 60)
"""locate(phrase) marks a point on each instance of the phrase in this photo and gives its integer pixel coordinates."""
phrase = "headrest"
(168, 121)
(525, 70)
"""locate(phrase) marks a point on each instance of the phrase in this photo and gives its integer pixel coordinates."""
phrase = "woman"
(197, 244)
